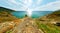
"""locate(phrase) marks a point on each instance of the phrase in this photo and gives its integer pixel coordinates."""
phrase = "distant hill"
(55, 16)
(5, 9)
(5, 15)
(56, 12)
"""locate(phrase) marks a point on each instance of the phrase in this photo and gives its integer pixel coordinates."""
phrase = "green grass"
(48, 28)
(9, 31)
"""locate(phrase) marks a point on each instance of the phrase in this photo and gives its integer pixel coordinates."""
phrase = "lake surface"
(35, 14)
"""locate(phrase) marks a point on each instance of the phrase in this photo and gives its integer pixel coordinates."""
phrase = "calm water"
(19, 14)
(35, 14)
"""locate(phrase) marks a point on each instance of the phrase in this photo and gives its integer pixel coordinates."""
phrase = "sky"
(34, 5)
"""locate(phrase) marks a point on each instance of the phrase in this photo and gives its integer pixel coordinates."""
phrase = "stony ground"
(26, 26)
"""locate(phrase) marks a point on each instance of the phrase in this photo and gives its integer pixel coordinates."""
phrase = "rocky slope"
(48, 23)
(55, 16)
(5, 15)
(7, 20)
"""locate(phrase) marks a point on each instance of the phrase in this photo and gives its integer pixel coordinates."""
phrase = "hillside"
(49, 23)
(5, 9)
(55, 15)
(5, 14)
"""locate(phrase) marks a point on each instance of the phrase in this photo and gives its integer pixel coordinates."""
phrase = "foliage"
(48, 28)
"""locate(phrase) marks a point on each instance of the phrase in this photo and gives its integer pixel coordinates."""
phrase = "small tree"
(26, 16)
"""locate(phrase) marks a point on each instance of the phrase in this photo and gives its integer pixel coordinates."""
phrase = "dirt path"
(26, 27)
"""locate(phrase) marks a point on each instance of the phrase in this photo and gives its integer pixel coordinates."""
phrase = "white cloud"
(39, 1)
(26, 4)
(50, 6)
(12, 1)
(16, 5)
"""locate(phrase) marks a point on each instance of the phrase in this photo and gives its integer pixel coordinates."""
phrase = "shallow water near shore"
(35, 14)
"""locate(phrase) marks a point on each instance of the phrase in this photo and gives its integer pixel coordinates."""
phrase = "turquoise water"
(19, 14)
(35, 14)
